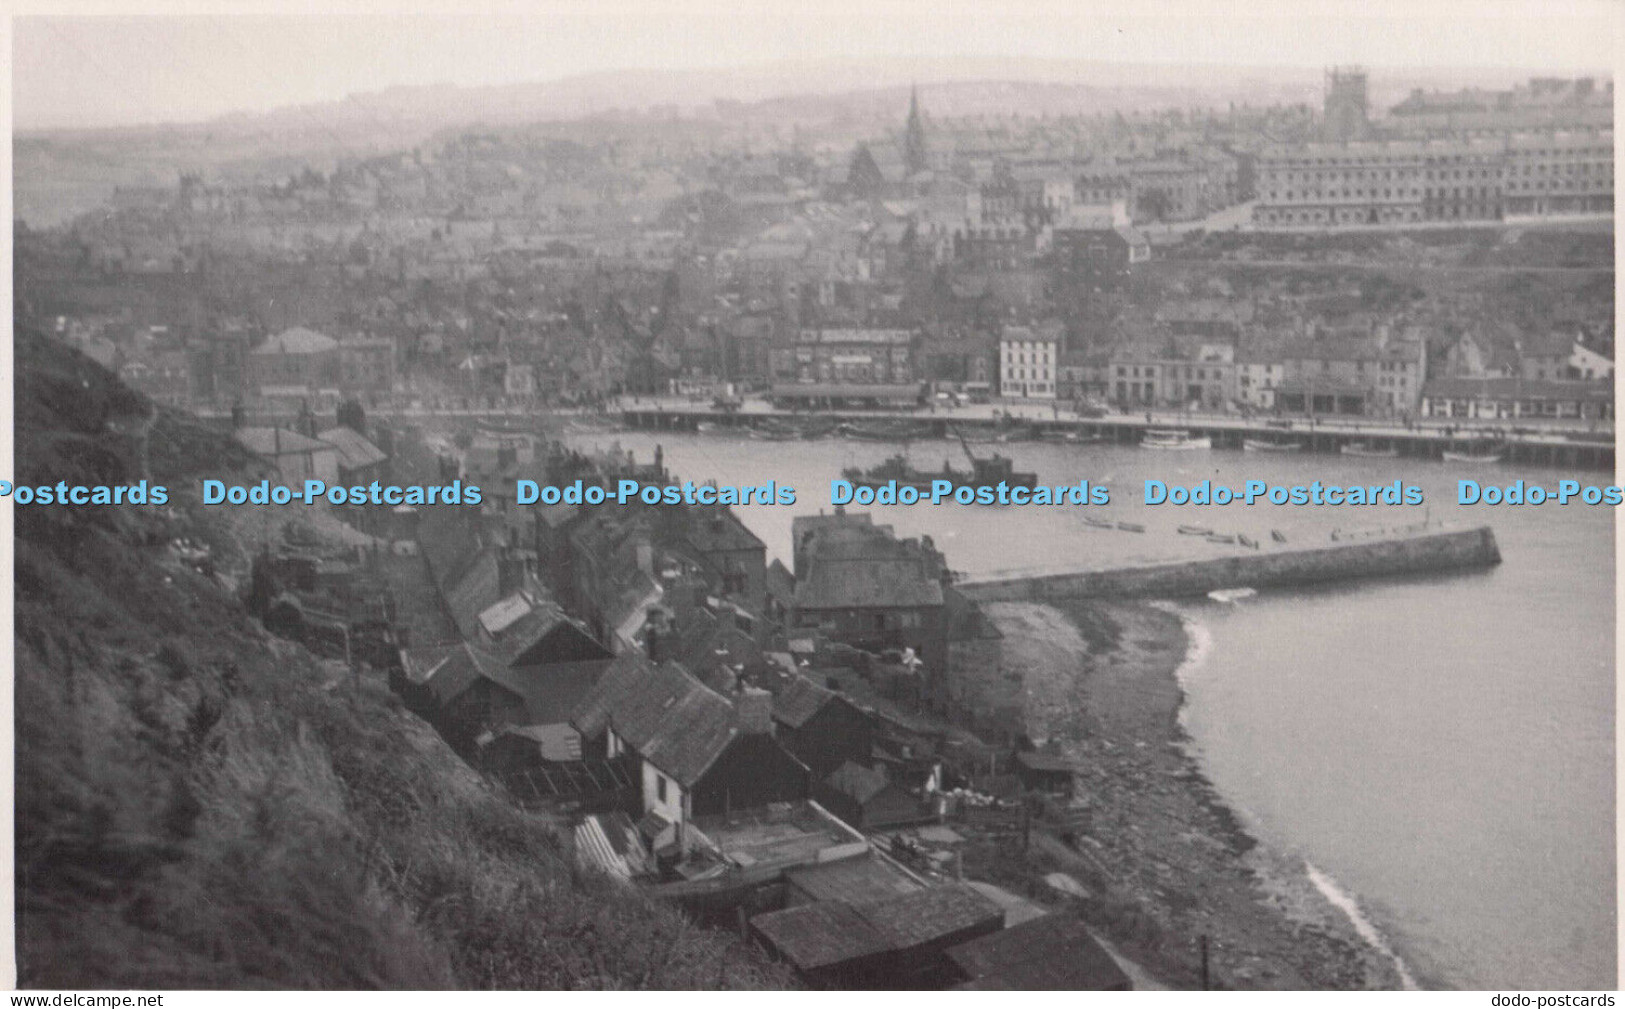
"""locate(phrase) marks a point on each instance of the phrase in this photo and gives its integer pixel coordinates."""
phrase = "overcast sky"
(115, 68)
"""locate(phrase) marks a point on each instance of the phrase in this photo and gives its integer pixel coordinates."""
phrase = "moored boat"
(1173, 440)
(1090, 520)
(1367, 450)
(1194, 531)
(1262, 445)
(1480, 456)
(1131, 527)
(886, 431)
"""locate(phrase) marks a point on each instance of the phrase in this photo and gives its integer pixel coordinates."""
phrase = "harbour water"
(1438, 751)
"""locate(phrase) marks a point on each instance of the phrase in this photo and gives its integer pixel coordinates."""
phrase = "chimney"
(510, 572)
(753, 709)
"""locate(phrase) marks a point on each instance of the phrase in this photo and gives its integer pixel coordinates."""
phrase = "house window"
(660, 787)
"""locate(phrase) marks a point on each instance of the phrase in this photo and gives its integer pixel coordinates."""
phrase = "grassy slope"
(202, 805)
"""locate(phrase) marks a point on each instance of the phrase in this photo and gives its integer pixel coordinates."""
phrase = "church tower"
(914, 158)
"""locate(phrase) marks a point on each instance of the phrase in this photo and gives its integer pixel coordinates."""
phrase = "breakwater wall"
(1419, 553)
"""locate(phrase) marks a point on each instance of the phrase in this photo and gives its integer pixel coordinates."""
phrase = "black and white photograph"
(888, 495)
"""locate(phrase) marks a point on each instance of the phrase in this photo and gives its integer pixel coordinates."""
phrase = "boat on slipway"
(1174, 440)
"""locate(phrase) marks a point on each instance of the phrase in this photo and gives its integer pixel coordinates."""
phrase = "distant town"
(1267, 260)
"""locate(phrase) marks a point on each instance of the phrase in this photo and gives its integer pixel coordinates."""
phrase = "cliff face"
(202, 805)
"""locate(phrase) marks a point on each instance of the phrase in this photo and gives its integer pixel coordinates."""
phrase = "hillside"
(199, 804)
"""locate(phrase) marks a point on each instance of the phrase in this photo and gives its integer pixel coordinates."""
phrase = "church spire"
(914, 156)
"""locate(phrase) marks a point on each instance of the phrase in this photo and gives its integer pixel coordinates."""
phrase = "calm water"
(1441, 749)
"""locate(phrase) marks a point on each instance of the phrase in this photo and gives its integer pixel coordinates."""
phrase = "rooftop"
(297, 340)
(1055, 952)
(275, 441)
(780, 834)
(862, 583)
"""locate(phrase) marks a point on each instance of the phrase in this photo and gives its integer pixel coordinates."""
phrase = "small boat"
(1178, 441)
(1131, 527)
(1277, 535)
(1221, 538)
(1492, 455)
(1090, 520)
(1246, 541)
(1231, 595)
(765, 433)
(1260, 445)
(1366, 450)
(886, 431)
(1195, 531)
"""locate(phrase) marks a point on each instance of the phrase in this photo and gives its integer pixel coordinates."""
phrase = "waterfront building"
(1377, 377)
(1257, 378)
(849, 357)
(1027, 363)
(1205, 381)
(1517, 398)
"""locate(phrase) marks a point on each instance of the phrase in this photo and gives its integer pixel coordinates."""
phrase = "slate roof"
(664, 714)
(718, 530)
(799, 700)
(820, 935)
(551, 690)
(269, 441)
(472, 591)
(514, 624)
(625, 674)
(355, 450)
(1055, 952)
(926, 915)
(449, 543)
(863, 583)
(835, 931)
(446, 670)
(854, 880)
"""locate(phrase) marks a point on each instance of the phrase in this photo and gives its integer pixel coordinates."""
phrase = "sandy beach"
(1162, 860)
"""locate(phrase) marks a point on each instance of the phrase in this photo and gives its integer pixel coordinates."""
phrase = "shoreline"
(1197, 652)
(1163, 858)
